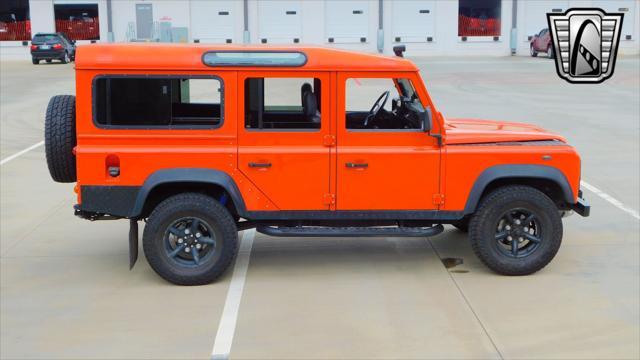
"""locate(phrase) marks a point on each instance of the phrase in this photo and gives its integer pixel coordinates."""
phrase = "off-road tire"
(60, 138)
(35, 61)
(482, 229)
(532, 51)
(184, 205)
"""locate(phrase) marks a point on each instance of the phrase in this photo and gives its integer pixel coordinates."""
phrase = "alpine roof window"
(254, 58)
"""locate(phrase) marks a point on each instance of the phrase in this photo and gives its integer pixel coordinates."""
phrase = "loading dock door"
(413, 21)
(535, 15)
(346, 21)
(213, 21)
(626, 7)
(279, 21)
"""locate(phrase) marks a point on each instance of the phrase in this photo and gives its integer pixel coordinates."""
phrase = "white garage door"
(213, 21)
(346, 21)
(535, 15)
(279, 21)
(413, 21)
(628, 8)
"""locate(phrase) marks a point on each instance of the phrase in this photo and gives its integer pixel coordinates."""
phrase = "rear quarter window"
(157, 102)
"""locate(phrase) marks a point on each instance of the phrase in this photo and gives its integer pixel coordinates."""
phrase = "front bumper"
(582, 207)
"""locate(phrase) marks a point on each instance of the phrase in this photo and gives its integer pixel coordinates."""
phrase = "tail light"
(34, 47)
(57, 46)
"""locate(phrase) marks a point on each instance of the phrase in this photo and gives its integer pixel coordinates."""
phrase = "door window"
(282, 103)
(382, 104)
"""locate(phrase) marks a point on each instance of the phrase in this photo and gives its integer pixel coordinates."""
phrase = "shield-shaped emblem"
(585, 43)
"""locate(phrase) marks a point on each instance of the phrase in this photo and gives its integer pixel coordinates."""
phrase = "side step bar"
(319, 231)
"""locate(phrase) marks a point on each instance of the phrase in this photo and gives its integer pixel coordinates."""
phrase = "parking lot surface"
(66, 291)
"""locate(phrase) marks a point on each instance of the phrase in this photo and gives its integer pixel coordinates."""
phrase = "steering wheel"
(375, 109)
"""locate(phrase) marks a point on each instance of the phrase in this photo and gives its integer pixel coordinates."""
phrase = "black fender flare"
(193, 175)
(516, 171)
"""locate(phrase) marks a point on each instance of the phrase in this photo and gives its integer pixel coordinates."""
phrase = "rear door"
(284, 141)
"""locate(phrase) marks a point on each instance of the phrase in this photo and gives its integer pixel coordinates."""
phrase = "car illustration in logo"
(585, 43)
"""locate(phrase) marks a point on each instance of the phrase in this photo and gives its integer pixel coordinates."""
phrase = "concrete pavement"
(66, 291)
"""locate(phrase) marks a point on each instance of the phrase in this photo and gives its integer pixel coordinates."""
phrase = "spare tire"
(60, 138)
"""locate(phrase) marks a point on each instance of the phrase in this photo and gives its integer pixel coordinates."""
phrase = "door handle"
(357, 165)
(259, 165)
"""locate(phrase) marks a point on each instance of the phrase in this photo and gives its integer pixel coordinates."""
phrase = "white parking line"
(22, 152)
(615, 202)
(227, 327)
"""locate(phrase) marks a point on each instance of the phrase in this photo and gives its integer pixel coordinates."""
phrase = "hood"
(472, 131)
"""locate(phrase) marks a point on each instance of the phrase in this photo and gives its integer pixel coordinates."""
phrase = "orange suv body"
(283, 139)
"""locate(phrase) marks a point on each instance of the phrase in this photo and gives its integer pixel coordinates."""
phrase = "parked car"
(50, 47)
(202, 141)
(541, 43)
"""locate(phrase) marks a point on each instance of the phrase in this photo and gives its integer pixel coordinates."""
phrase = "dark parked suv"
(52, 47)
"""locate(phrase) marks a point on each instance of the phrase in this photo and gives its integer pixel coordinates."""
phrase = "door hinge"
(329, 140)
(328, 199)
(438, 199)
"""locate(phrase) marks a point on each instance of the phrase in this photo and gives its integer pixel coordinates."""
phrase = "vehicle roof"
(150, 56)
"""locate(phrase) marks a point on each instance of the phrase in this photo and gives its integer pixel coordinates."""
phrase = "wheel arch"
(547, 179)
(164, 183)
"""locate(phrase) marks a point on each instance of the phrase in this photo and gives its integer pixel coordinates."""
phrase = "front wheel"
(190, 239)
(516, 230)
(550, 52)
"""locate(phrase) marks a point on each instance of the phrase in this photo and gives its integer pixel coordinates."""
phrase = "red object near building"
(79, 28)
(15, 30)
(472, 26)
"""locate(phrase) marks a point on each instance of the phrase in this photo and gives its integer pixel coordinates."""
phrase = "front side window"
(158, 102)
(282, 103)
(382, 104)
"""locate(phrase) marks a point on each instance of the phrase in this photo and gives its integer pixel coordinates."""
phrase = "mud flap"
(133, 243)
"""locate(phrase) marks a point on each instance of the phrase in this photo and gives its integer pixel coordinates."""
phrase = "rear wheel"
(65, 59)
(516, 230)
(550, 52)
(35, 61)
(49, 61)
(533, 51)
(190, 239)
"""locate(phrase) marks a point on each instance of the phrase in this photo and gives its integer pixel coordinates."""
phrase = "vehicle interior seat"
(309, 104)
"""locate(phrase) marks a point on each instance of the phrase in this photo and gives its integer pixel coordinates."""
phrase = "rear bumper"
(582, 207)
(47, 54)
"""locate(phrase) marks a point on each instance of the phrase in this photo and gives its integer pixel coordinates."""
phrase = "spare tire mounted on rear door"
(60, 138)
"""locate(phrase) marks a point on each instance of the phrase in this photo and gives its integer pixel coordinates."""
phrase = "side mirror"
(425, 118)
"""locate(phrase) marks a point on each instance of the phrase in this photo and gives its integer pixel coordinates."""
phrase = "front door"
(284, 144)
(385, 161)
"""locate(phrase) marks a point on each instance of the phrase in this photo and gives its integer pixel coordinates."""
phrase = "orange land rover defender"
(201, 141)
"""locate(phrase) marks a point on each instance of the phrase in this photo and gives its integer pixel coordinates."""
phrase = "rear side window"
(183, 102)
